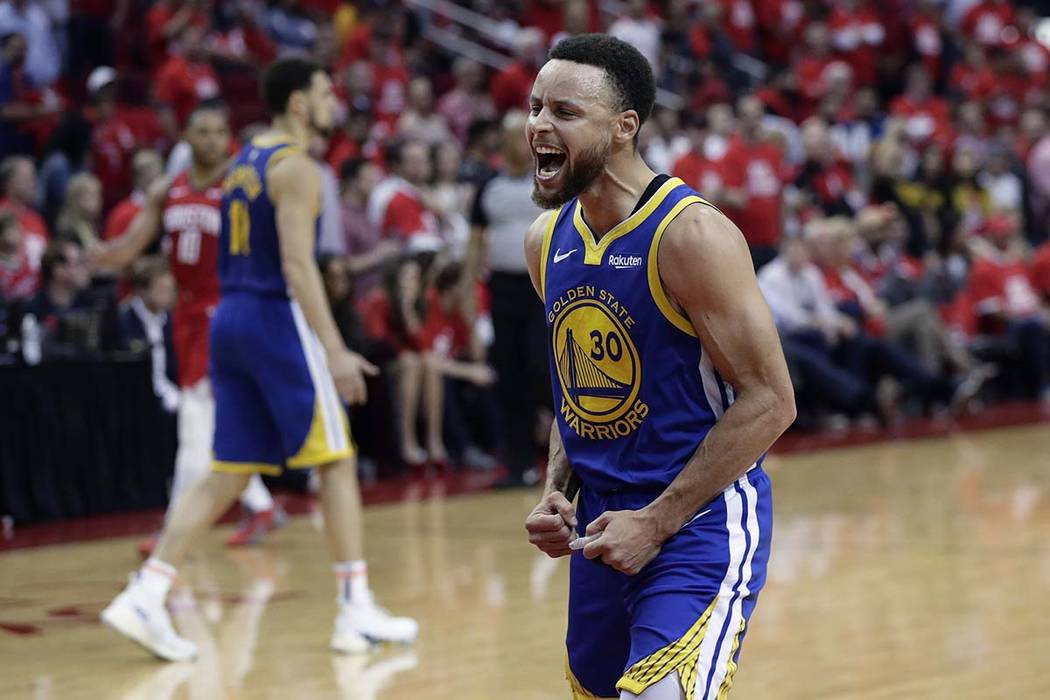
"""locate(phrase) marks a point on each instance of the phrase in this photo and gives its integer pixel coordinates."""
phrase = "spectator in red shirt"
(511, 86)
(166, 20)
(1007, 305)
(119, 131)
(972, 77)
(17, 194)
(825, 174)
(146, 167)
(455, 358)
(390, 77)
(1033, 54)
(716, 179)
(814, 62)
(926, 117)
(762, 163)
(397, 206)
(741, 24)
(18, 279)
(186, 78)
(858, 35)
(927, 35)
(987, 22)
(781, 23)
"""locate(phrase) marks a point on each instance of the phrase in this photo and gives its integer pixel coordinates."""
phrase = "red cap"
(998, 226)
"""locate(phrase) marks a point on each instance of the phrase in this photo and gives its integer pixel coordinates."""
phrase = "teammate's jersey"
(191, 222)
(249, 250)
(634, 392)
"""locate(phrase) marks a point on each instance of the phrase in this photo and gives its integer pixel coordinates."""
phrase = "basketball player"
(186, 212)
(278, 368)
(669, 386)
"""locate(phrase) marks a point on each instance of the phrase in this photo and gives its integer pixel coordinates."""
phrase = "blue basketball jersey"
(249, 250)
(634, 391)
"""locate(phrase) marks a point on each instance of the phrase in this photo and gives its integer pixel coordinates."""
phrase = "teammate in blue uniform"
(278, 369)
(669, 386)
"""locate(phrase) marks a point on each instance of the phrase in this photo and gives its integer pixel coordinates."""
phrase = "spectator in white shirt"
(28, 18)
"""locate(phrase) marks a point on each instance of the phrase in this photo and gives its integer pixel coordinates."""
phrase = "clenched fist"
(552, 525)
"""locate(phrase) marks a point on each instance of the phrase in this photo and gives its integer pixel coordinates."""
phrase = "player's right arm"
(141, 233)
(295, 188)
(552, 523)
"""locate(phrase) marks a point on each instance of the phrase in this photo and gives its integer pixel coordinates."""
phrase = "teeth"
(548, 150)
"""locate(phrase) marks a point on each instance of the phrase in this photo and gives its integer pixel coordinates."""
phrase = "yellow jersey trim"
(246, 468)
(681, 655)
(270, 140)
(578, 691)
(316, 450)
(545, 251)
(727, 684)
(322, 459)
(595, 250)
(656, 286)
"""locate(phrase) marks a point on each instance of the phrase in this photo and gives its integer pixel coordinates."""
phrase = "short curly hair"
(627, 70)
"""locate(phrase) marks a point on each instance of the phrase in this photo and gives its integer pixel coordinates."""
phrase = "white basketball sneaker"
(374, 623)
(144, 619)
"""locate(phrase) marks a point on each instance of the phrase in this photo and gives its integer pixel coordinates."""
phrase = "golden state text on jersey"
(634, 392)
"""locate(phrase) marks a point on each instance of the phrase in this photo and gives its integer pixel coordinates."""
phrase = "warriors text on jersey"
(191, 219)
(634, 391)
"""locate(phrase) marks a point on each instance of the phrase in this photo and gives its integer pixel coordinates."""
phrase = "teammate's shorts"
(275, 402)
(685, 612)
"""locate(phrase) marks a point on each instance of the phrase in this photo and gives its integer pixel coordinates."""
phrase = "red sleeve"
(969, 20)
(167, 85)
(119, 220)
(1040, 271)
(375, 316)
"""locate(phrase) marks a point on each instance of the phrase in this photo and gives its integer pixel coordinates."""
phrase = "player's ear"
(627, 125)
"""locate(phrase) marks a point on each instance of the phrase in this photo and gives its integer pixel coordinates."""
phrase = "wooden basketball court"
(916, 569)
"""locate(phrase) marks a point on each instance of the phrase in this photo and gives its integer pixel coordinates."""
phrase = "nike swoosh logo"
(558, 257)
(699, 515)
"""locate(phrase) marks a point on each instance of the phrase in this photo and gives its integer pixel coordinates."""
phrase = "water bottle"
(30, 340)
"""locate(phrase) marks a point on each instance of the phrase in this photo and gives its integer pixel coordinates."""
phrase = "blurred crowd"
(888, 164)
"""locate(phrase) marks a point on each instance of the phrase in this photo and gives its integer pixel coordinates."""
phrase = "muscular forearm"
(304, 283)
(740, 436)
(559, 471)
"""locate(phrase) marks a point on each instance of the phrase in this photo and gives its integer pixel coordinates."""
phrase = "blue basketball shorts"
(686, 611)
(275, 402)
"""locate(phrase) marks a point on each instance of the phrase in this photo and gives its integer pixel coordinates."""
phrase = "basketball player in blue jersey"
(669, 386)
(278, 370)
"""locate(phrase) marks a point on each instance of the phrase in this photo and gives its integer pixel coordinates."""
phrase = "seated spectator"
(1005, 302)
(859, 36)
(663, 142)
(165, 21)
(985, 21)
(17, 194)
(398, 206)
(62, 309)
(394, 317)
(419, 121)
(365, 251)
(356, 139)
(1005, 189)
(641, 29)
(18, 279)
(453, 366)
(81, 214)
(468, 100)
(24, 109)
(481, 153)
(926, 116)
(144, 325)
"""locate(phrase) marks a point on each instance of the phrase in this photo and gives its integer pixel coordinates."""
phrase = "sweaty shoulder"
(702, 251)
(535, 240)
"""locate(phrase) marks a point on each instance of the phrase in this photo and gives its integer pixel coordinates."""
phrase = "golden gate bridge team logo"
(598, 369)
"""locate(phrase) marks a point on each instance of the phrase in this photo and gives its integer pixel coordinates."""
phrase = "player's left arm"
(707, 272)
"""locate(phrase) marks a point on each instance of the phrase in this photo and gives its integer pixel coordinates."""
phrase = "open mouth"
(549, 161)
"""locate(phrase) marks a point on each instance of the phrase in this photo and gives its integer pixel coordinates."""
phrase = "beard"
(578, 176)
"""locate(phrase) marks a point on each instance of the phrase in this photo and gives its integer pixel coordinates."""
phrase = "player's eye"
(534, 110)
